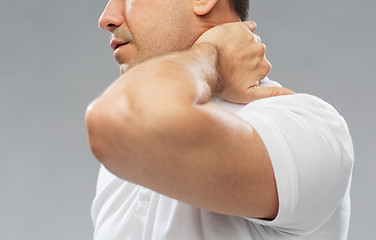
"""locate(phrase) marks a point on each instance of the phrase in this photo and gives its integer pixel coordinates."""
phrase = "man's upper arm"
(201, 154)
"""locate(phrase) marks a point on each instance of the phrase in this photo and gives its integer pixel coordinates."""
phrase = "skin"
(155, 29)
(155, 125)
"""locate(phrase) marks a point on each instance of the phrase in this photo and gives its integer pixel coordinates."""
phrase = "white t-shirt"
(312, 156)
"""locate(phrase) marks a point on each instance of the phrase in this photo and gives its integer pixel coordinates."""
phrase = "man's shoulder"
(298, 113)
(309, 147)
(299, 102)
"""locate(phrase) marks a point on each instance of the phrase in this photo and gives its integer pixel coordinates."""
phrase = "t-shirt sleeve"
(312, 157)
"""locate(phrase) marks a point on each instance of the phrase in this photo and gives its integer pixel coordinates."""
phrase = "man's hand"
(242, 62)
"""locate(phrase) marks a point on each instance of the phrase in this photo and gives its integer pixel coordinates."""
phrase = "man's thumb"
(256, 93)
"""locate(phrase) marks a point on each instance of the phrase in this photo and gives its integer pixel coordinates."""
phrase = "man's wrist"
(210, 54)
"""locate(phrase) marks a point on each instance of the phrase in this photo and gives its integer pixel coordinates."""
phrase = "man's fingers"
(256, 93)
(251, 25)
(257, 38)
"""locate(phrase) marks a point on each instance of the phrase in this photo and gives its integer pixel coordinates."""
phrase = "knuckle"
(261, 48)
(257, 38)
(264, 68)
(268, 65)
(265, 64)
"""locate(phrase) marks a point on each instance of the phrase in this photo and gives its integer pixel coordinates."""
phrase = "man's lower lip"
(117, 49)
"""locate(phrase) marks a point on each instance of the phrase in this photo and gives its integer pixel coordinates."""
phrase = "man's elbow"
(107, 120)
(95, 121)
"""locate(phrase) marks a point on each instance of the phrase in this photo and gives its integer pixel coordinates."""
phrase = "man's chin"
(124, 67)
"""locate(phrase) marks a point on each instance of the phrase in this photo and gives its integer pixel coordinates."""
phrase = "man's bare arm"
(155, 127)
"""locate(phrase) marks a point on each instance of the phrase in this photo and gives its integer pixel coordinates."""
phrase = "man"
(182, 162)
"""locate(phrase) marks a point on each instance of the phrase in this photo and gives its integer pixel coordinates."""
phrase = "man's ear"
(203, 7)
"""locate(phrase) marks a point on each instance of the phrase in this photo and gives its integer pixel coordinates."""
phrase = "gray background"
(54, 61)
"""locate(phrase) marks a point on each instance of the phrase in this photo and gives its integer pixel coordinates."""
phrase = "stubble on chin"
(125, 67)
(138, 60)
(151, 53)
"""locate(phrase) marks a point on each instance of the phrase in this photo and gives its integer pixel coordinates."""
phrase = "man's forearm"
(164, 86)
(184, 77)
